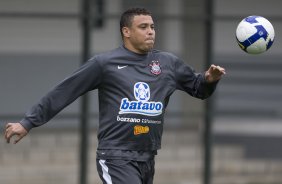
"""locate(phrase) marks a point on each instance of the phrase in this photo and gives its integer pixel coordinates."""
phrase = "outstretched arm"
(15, 129)
(199, 85)
(86, 78)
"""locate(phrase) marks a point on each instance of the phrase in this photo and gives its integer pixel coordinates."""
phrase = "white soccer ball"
(255, 34)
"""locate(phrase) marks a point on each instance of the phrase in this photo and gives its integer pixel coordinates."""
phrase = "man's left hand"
(214, 73)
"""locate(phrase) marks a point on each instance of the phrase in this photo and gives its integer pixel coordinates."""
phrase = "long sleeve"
(86, 78)
(191, 82)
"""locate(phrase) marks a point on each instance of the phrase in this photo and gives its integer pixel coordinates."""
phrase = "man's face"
(141, 34)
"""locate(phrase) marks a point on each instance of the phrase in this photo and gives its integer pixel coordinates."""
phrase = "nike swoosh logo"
(121, 67)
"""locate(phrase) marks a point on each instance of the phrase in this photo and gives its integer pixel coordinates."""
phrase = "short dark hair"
(126, 17)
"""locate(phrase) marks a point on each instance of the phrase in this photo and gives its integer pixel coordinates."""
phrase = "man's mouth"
(150, 40)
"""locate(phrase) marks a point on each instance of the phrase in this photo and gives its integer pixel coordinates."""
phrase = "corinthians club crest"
(155, 67)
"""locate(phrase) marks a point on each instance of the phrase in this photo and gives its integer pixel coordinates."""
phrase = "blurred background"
(42, 42)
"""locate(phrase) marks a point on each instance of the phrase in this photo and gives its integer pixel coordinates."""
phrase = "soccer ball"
(255, 34)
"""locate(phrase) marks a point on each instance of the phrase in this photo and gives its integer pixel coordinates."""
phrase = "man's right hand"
(15, 129)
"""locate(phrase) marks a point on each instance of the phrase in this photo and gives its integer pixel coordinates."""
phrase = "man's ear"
(126, 32)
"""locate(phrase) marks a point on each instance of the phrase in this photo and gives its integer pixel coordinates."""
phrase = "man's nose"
(151, 31)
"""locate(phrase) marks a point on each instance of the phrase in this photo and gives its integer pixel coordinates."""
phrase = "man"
(135, 83)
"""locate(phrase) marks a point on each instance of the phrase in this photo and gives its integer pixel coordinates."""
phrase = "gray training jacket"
(134, 91)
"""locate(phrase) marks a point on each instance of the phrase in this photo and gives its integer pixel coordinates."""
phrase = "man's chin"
(150, 47)
(147, 48)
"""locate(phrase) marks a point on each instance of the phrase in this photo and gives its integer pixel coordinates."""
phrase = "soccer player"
(134, 83)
